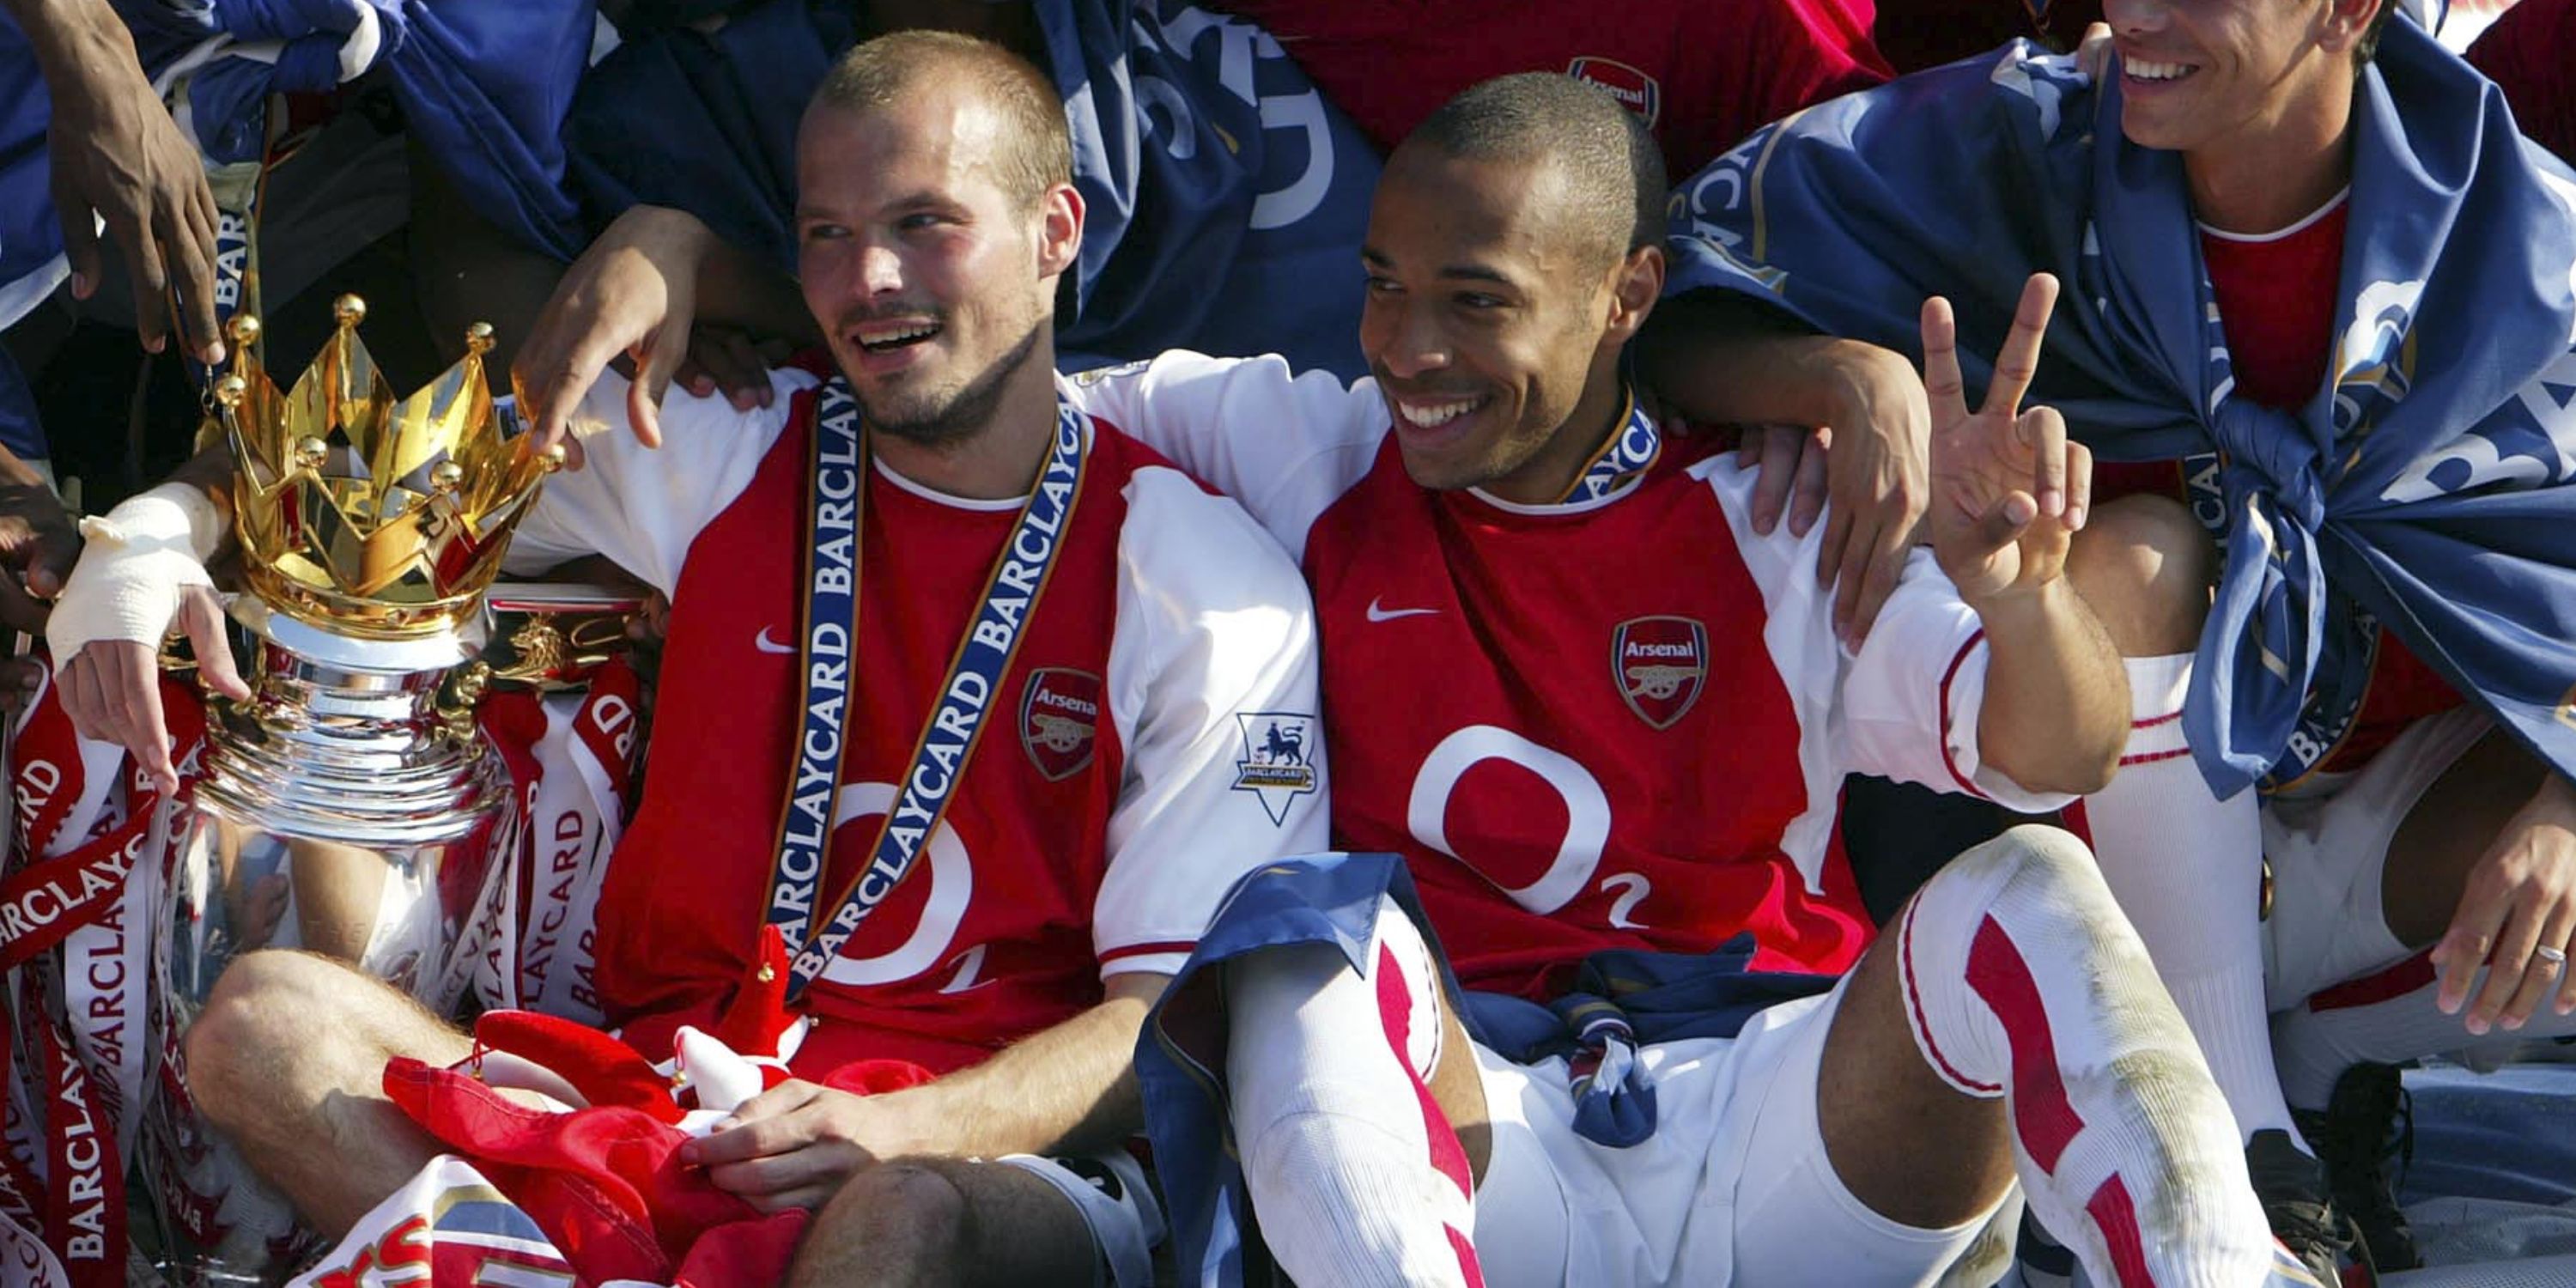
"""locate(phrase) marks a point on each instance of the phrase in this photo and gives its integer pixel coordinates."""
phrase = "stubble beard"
(966, 412)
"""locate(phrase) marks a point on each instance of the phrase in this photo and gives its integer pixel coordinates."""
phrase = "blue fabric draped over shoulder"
(2424, 486)
(1226, 198)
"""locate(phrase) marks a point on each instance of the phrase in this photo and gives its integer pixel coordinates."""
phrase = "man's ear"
(2346, 21)
(1636, 282)
(1060, 230)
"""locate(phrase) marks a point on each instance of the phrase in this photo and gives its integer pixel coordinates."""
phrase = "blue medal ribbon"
(1621, 460)
(949, 737)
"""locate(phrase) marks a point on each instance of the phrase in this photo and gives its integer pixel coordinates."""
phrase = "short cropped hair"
(1036, 152)
(2368, 45)
(1611, 163)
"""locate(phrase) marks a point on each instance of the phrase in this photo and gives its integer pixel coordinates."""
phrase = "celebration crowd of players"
(2168, 442)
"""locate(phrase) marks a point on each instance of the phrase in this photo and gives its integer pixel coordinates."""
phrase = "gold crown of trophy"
(341, 811)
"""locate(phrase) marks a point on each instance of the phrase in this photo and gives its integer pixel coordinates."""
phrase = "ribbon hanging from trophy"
(75, 928)
(84, 872)
(571, 757)
(834, 512)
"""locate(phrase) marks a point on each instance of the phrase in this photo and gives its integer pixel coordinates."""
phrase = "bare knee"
(912, 1207)
(2145, 566)
(2036, 853)
(267, 1010)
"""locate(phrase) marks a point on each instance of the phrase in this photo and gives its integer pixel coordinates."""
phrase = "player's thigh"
(1069, 1219)
(2330, 857)
(280, 1020)
(1795, 1221)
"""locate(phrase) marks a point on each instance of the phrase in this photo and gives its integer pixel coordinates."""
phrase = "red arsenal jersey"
(1153, 739)
(1703, 73)
(1611, 724)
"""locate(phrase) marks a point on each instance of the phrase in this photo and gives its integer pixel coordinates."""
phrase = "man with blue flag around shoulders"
(2320, 307)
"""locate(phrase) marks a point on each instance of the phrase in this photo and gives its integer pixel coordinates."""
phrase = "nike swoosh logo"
(1377, 614)
(768, 645)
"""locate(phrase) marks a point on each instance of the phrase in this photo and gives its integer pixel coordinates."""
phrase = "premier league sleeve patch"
(1060, 720)
(1276, 766)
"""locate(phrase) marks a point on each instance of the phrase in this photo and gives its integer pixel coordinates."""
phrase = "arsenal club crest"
(1634, 89)
(1060, 720)
(1660, 664)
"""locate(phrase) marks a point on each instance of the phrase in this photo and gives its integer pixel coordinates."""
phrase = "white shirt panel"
(1284, 446)
(1213, 625)
(643, 507)
(1904, 708)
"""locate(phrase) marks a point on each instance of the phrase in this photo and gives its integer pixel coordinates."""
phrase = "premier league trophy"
(342, 809)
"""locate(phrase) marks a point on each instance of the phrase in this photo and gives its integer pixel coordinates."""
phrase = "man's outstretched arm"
(650, 277)
(2009, 490)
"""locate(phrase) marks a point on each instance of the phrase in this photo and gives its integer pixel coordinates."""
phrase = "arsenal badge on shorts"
(1660, 665)
(1059, 720)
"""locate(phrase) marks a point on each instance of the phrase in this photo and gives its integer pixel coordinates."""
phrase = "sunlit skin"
(2256, 94)
(903, 231)
(1480, 296)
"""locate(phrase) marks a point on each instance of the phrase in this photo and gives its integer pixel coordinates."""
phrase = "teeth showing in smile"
(898, 337)
(1435, 415)
(2144, 70)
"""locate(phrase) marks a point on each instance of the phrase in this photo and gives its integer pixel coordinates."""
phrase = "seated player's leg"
(287, 1061)
(2013, 1015)
(1349, 1094)
(2185, 866)
(2366, 882)
(1020, 1220)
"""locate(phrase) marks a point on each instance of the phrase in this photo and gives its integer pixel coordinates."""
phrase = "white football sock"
(2187, 868)
(1355, 1176)
(2388, 1017)
(2022, 980)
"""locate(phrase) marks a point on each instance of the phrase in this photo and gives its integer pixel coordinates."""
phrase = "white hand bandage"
(137, 560)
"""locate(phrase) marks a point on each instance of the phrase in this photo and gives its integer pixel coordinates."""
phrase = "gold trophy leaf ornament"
(366, 515)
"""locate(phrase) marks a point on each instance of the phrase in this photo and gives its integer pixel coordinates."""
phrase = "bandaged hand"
(143, 569)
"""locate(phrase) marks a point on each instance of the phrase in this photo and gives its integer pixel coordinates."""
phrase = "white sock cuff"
(2156, 689)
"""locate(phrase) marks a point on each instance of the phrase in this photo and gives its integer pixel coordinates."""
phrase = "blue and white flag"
(1226, 199)
(2426, 486)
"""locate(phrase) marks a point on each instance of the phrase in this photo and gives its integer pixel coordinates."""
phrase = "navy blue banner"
(2426, 485)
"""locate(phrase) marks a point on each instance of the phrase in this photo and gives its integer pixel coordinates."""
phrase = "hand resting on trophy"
(142, 572)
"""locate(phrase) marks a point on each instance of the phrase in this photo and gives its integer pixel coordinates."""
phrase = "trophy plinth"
(342, 810)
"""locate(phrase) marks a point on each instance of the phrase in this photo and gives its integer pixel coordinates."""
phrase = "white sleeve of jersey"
(1212, 685)
(640, 506)
(1905, 707)
(1284, 446)
(1911, 698)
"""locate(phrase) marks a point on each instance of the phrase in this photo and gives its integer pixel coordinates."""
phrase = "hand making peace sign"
(2008, 488)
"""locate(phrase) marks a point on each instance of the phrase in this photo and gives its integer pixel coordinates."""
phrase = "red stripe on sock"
(2151, 757)
(2042, 1114)
(1914, 1003)
(2117, 1217)
(1467, 1268)
(2395, 982)
(2152, 721)
(1395, 1011)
